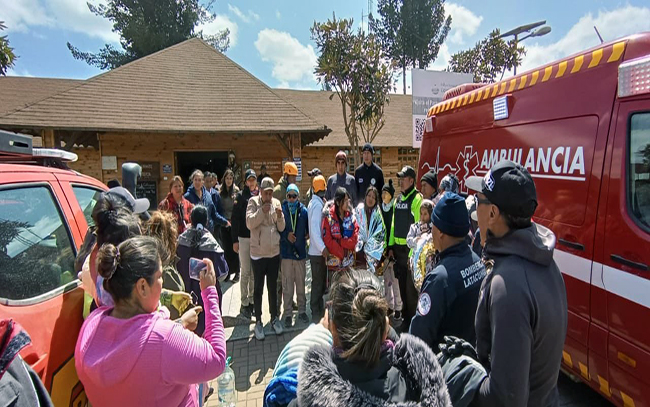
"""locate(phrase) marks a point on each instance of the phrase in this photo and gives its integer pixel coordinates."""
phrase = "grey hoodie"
(521, 320)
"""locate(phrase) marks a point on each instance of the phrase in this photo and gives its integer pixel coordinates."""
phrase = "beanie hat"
(430, 178)
(293, 188)
(450, 215)
(341, 156)
(389, 188)
(449, 183)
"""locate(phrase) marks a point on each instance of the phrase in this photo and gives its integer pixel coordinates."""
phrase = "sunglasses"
(481, 201)
(292, 196)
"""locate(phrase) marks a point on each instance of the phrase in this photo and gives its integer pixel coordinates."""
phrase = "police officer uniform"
(366, 176)
(449, 294)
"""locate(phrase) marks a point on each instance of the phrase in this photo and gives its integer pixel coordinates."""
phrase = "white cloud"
(464, 23)
(19, 72)
(220, 23)
(277, 14)
(293, 63)
(245, 17)
(20, 15)
(611, 24)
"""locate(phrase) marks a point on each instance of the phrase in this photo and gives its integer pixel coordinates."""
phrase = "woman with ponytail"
(130, 354)
(364, 367)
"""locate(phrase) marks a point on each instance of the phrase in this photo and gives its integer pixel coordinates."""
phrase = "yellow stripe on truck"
(577, 63)
(617, 51)
(596, 56)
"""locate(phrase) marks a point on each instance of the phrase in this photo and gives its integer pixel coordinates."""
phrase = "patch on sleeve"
(424, 304)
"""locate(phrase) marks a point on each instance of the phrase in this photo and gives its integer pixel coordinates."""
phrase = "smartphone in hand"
(196, 266)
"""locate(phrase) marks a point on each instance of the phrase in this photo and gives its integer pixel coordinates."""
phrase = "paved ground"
(253, 361)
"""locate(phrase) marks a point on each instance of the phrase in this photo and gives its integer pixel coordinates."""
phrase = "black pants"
(232, 258)
(266, 267)
(406, 287)
(318, 286)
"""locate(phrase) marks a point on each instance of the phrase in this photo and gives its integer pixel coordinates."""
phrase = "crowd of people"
(484, 327)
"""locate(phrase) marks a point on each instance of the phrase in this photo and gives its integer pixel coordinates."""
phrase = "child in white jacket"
(423, 226)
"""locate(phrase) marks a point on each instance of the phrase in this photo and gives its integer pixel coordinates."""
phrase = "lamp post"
(528, 30)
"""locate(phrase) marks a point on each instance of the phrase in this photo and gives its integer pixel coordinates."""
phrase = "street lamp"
(527, 29)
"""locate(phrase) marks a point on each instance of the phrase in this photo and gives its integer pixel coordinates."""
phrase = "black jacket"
(238, 220)
(448, 297)
(365, 176)
(521, 320)
(408, 375)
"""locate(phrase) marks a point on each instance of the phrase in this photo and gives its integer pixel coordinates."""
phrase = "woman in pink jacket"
(133, 354)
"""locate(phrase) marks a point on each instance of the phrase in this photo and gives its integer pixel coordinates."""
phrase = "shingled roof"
(17, 92)
(189, 87)
(397, 132)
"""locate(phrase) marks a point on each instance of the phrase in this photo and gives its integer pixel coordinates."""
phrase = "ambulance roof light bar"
(634, 77)
(54, 153)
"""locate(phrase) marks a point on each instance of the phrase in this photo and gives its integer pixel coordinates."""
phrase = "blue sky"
(271, 38)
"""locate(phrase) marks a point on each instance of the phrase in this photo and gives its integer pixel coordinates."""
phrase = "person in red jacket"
(340, 231)
(176, 204)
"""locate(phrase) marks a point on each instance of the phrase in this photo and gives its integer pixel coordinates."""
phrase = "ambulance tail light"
(428, 124)
(634, 77)
(501, 108)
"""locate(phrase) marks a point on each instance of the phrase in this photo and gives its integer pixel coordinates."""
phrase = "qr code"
(419, 129)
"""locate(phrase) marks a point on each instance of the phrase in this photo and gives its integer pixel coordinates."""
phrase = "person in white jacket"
(317, 250)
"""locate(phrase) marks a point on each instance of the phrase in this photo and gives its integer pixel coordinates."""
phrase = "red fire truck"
(581, 126)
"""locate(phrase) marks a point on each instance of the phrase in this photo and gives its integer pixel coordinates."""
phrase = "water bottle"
(226, 384)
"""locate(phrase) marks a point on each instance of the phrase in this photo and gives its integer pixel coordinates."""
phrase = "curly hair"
(163, 226)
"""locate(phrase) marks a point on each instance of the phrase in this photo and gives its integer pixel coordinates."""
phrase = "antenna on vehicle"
(597, 33)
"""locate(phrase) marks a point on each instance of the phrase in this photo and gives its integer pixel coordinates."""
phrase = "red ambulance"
(581, 126)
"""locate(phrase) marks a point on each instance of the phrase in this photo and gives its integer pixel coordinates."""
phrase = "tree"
(147, 26)
(411, 32)
(7, 56)
(489, 58)
(355, 67)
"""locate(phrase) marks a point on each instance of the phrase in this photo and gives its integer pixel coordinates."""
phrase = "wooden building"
(188, 107)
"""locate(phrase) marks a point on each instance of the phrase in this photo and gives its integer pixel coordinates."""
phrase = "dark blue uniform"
(449, 297)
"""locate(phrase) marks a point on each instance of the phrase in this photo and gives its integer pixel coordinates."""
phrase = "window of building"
(36, 254)
(408, 156)
(351, 162)
(87, 198)
(639, 167)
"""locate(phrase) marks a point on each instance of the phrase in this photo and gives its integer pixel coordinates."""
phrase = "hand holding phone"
(196, 266)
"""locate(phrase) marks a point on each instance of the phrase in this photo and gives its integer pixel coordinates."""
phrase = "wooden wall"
(161, 148)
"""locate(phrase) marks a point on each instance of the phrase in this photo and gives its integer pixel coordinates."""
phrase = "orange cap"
(290, 168)
(319, 184)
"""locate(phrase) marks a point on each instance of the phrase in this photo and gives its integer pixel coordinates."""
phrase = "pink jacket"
(148, 360)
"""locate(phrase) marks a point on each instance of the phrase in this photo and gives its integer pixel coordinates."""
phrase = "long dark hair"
(225, 191)
(123, 265)
(114, 222)
(339, 196)
(371, 189)
(359, 310)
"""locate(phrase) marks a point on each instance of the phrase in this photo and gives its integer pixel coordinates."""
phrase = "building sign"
(109, 162)
(150, 170)
(167, 168)
(271, 166)
(428, 89)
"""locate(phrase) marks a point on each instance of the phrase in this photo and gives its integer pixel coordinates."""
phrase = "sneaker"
(259, 331)
(288, 321)
(303, 318)
(246, 312)
(277, 326)
(235, 279)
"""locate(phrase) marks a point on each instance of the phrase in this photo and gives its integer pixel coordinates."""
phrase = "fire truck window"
(36, 255)
(639, 167)
(87, 198)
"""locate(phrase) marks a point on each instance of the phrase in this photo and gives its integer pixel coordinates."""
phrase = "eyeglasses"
(292, 196)
(481, 201)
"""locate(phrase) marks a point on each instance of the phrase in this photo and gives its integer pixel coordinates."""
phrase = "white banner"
(428, 89)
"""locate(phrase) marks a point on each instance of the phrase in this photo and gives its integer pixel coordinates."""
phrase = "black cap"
(368, 147)
(430, 178)
(250, 173)
(314, 172)
(509, 186)
(407, 171)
